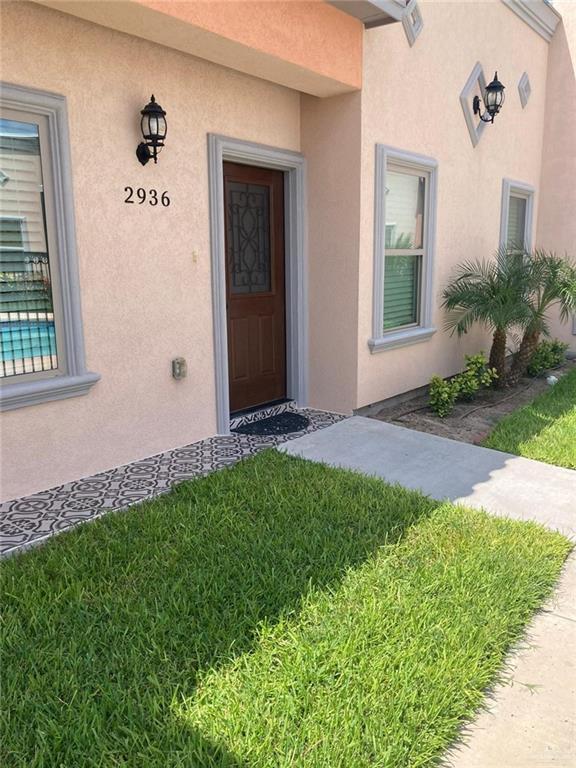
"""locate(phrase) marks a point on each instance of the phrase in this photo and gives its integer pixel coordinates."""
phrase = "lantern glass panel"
(161, 129)
(153, 126)
(490, 98)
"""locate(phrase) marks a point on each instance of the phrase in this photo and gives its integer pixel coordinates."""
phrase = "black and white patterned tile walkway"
(27, 521)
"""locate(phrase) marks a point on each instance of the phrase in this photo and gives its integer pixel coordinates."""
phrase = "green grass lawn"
(279, 613)
(545, 430)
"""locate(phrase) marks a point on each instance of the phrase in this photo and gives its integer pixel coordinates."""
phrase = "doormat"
(280, 424)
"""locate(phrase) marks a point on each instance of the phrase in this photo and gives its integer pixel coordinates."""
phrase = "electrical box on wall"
(179, 368)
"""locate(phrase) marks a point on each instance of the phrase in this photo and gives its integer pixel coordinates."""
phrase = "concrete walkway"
(446, 469)
(530, 721)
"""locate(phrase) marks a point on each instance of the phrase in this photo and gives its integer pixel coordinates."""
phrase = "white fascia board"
(372, 13)
(538, 14)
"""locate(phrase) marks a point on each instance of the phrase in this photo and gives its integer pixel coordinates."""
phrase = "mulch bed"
(468, 422)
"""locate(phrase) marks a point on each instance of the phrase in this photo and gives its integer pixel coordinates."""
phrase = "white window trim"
(381, 341)
(517, 189)
(21, 391)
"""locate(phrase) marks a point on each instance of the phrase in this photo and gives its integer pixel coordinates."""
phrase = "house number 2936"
(141, 195)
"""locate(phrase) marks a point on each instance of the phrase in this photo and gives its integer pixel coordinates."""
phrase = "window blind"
(515, 238)
(401, 281)
(404, 247)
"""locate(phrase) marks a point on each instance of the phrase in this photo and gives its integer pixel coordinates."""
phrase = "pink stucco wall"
(556, 219)
(307, 45)
(305, 32)
(331, 141)
(410, 100)
(145, 272)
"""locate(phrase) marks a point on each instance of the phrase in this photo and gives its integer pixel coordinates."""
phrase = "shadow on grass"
(530, 421)
(108, 627)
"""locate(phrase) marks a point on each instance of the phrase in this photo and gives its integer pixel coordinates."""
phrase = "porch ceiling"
(288, 43)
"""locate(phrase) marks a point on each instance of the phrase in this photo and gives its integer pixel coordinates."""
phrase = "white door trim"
(221, 149)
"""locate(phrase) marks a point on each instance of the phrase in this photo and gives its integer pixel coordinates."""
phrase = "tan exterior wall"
(331, 144)
(557, 219)
(145, 272)
(303, 32)
(289, 42)
(410, 100)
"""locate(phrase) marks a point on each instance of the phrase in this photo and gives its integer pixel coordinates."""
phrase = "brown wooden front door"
(255, 290)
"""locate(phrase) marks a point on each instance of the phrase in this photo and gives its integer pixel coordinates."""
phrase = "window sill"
(21, 394)
(400, 339)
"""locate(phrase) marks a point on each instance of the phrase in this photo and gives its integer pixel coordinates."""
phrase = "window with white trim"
(405, 200)
(41, 345)
(516, 217)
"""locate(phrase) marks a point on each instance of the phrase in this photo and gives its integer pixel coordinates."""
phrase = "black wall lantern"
(153, 125)
(493, 99)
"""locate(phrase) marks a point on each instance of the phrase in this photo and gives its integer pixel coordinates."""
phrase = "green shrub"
(467, 384)
(478, 365)
(443, 395)
(477, 375)
(548, 354)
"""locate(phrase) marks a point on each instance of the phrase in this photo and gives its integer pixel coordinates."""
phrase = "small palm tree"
(492, 293)
(551, 281)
